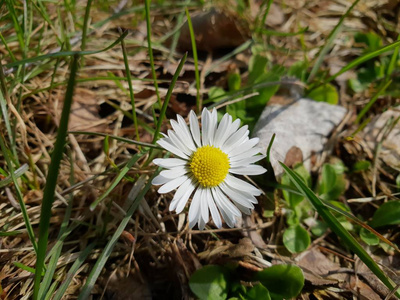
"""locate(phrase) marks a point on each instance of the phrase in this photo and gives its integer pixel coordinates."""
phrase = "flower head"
(204, 166)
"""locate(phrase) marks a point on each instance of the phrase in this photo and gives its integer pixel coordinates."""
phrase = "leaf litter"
(157, 253)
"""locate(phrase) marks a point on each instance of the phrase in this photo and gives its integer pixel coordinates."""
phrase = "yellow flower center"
(209, 166)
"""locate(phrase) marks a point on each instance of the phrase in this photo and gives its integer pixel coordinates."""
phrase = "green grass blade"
(51, 180)
(371, 102)
(168, 97)
(153, 69)
(4, 105)
(196, 62)
(363, 59)
(20, 197)
(64, 54)
(46, 290)
(393, 60)
(25, 267)
(328, 43)
(337, 228)
(86, 24)
(10, 233)
(261, 23)
(18, 173)
(131, 94)
(48, 275)
(71, 273)
(284, 34)
(121, 175)
(7, 48)
(17, 27)
(94, 274)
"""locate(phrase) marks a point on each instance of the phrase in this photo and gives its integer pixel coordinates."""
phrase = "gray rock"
(304, 124)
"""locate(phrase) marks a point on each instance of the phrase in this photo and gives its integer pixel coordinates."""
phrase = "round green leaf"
(258, 292)
(282, 281)
(296, 239)
(209, 282)
(325, 93)
(368, 237)
(361, 165)
(387, 214)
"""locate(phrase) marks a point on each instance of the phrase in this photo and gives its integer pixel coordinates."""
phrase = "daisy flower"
(204, 166)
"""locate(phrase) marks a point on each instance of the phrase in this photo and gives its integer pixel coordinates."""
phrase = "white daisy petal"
(159, 180)
(243, 209)
(204, 206)
(182, 195)
(172, 184)
(247, 161)
(235, 139)
(194, 210)
(225, 203)
(222, 130)
(244, 147)
(169, 162)
(232, 128)
(242, 185)
(178, 143)
(186, 131)
(213, 209)
(175, 172)
(228, 211)
(182, 201)
(201, 223)
(236, 196)
(167, 146)
(205, 116)
(183, 135)
(194, 128)
(248, 170)
(179, 194)
(212, 126)
(244, 155)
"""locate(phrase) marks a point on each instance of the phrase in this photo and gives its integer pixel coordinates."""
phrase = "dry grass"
(157, 252)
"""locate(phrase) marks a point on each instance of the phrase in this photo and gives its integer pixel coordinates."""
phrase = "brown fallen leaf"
(214, 30)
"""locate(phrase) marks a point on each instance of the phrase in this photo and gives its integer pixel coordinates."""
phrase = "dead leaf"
(213, 30)
(316, 267)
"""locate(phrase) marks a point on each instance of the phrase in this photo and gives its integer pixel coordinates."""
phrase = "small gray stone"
(304, 124)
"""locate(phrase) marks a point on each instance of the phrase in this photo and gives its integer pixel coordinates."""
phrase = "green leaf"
(338, 229)
(333, 182)
(209, 282)
(361, 165)
(319, 228)
(324, 93)
(368, 237)
(387, 214)
(372, 41)
(234, 81)
(328, 179)
(216, 92)
(292, 198)
(298, 70)
(282, 281)
(257, 67)
(257, 292)
(296, 239)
